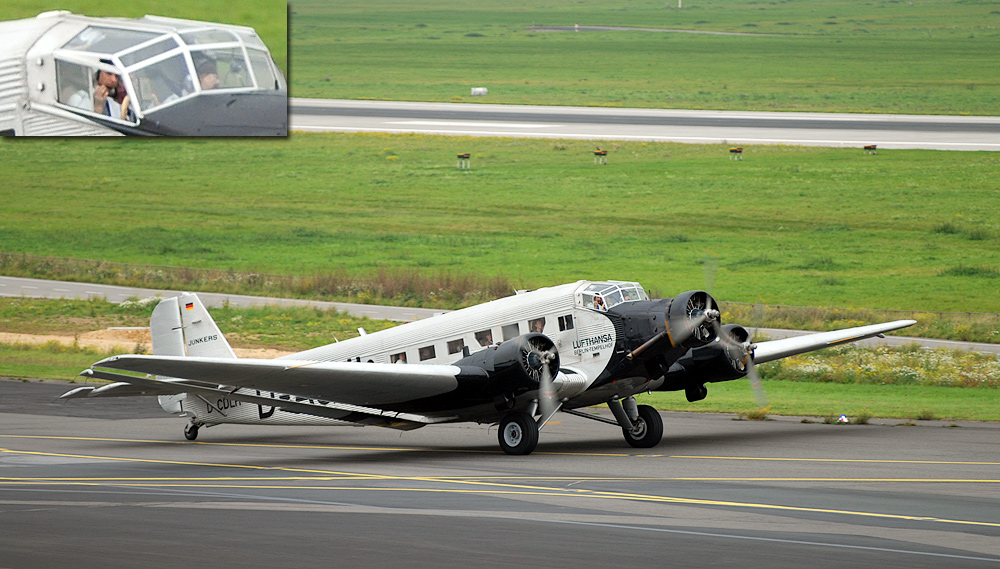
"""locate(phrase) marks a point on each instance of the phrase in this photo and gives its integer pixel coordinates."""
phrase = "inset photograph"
(66, 74)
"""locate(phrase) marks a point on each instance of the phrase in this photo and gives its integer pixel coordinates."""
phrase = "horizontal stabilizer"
(348, 413)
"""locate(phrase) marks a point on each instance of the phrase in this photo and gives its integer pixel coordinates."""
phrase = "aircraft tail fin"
(202, 337)
(182, 326)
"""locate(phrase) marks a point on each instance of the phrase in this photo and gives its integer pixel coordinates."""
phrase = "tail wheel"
(648, 429)
(518, 433)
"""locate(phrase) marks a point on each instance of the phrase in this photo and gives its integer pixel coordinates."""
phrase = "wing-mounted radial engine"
(729, 357)
(659, 332)
(514, 368)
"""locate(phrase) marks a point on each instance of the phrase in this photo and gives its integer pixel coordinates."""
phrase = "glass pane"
(613, 299)
(162, 82)
(147, 52)
(456, 346)
(399, 358)
(262, 69)
(485, 338)
(536, 325)
(510, 331)
(252, 40)
(426, 353)
(208, 36)
(108, 40)
(221, 68)
(75, 83)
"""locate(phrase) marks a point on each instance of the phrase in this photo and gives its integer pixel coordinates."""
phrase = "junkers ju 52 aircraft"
(536, 353)
(64, 74)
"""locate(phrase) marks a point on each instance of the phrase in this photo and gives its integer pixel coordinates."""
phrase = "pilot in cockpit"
(110, 98)
(208, 74)
(599, 304)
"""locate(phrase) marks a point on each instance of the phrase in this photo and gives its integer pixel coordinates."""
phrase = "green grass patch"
(49, 361)
(287, 328)
(827, 55)
(787, 226)
(832, 400)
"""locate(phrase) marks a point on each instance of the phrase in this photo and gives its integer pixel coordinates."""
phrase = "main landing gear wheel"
(648, 430)
(191, 431)
(518, 433)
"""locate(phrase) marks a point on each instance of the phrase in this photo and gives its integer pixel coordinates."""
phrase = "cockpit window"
(208, 36)
(158, 68)
(222, 68)
(610, 294)
(108, 40)
(74, 82)
(131, 58)
(162, 82)
(261, 63)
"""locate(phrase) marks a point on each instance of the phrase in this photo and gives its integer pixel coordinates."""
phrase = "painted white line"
(475, 124)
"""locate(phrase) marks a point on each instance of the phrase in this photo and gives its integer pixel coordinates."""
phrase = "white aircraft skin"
(515, 361)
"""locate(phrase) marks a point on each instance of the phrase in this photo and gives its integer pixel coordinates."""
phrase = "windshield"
(604, 295)
(160, 67)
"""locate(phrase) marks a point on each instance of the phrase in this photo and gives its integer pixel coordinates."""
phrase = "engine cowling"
(717, 361)
(690, 317)
(513, 367)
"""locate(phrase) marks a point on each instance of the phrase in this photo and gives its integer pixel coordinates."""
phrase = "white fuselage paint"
(585, 350)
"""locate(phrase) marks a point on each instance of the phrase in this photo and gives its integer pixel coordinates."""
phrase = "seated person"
(208, 74)
(109, 98)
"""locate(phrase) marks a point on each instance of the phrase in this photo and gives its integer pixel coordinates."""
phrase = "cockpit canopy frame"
(611, 293)
(162, 61)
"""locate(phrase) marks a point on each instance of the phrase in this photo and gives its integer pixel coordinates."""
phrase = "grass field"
(268, 17)
(788, 225)
(806, 55)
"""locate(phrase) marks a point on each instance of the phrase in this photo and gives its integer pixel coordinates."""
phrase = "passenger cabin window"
(485, 338)
(536, 325)
(456, 346)
(426, 353)
(510, 332)
(565, 322)
(399, 358)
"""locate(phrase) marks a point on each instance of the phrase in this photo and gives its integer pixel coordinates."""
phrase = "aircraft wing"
(777, 349)
(354, 383)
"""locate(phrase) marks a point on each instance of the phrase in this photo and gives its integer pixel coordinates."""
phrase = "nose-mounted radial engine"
(659, 332)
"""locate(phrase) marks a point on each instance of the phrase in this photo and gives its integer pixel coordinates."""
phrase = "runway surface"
(113, 484)
(605, 123)
(38, 288)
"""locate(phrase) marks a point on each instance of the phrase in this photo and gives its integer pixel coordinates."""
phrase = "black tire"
(648, 430)
(518, 433)
(191, 431)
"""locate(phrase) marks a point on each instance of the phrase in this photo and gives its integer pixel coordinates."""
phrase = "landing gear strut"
(518, 433)
(641, 424)
(647, 430)
(191, 431)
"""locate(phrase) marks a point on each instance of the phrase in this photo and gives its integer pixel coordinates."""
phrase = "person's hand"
(100, 98)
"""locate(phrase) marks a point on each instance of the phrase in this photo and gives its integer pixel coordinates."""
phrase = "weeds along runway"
(114, 483)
